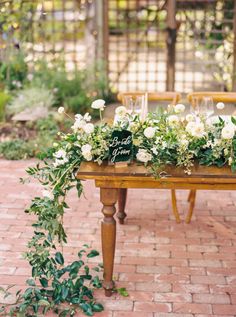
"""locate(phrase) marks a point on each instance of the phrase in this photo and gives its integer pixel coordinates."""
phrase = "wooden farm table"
(111, 180)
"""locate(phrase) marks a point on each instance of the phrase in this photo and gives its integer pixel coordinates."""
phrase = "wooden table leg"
(122, 196)
(174, 206)
(191, 199)
(108, 197)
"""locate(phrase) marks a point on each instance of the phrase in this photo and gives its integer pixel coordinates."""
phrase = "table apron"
(164, 185)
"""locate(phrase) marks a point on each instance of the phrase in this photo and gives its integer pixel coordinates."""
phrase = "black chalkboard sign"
(120, 149)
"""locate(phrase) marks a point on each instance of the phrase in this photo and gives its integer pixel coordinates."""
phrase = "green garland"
(161, 139)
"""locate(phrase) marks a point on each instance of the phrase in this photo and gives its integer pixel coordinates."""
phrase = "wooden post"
(171, 40)
(234, 52)
(102, 33)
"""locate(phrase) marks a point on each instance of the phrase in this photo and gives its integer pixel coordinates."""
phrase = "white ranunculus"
(121, 111)
(86, 152)
(87, 117)
(199, 130)
(98, 104)
(48, 194)
(143, 156)
(196, 129)
(189, 117)
(179, 108)
(149, 132)
(228, 132)
(61, 110)
(173, 119)
(220, 105)
(88, 128)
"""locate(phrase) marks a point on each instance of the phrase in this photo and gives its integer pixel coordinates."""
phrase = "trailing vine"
(161, 139)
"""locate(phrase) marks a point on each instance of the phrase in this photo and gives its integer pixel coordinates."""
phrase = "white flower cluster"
(86, 152)
(82, 123)
(61, 158)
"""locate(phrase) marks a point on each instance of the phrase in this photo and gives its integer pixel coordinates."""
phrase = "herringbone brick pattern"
(169, 269)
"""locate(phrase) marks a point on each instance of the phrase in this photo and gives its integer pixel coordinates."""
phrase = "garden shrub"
(4, 98)
(30, 98)
(16, 150)
(13, 70)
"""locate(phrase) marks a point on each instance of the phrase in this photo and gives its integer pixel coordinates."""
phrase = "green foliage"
(31, 98)
(75, 91)
(13, 70)
(60, 284)
(4, 98)
(16, 150)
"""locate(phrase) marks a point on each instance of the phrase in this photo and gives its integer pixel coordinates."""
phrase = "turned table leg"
(108, 197)
(122, 196)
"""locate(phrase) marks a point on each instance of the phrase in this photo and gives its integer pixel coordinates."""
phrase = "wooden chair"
(226, 97)
(173, 98)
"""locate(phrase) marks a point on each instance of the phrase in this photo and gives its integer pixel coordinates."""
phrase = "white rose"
(149, 132)
(228, 132)
(143, 156)
(189, 117)
(61, 110)
(121, 111)
(173, 119)
(87, 155)
(48, 194)
(88, 128)
(98, 104)
(86, 152)
(220, 105)
(179, 108)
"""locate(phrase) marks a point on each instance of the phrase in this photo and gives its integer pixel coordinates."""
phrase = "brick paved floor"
(169, 269)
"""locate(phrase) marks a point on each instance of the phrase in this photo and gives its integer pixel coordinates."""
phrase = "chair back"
(226, 97)
(170, 96)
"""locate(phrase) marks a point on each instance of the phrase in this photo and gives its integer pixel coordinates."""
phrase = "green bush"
(16, 150)
(31, 98)
(13, 70)
(4, 98)
(75, 91)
